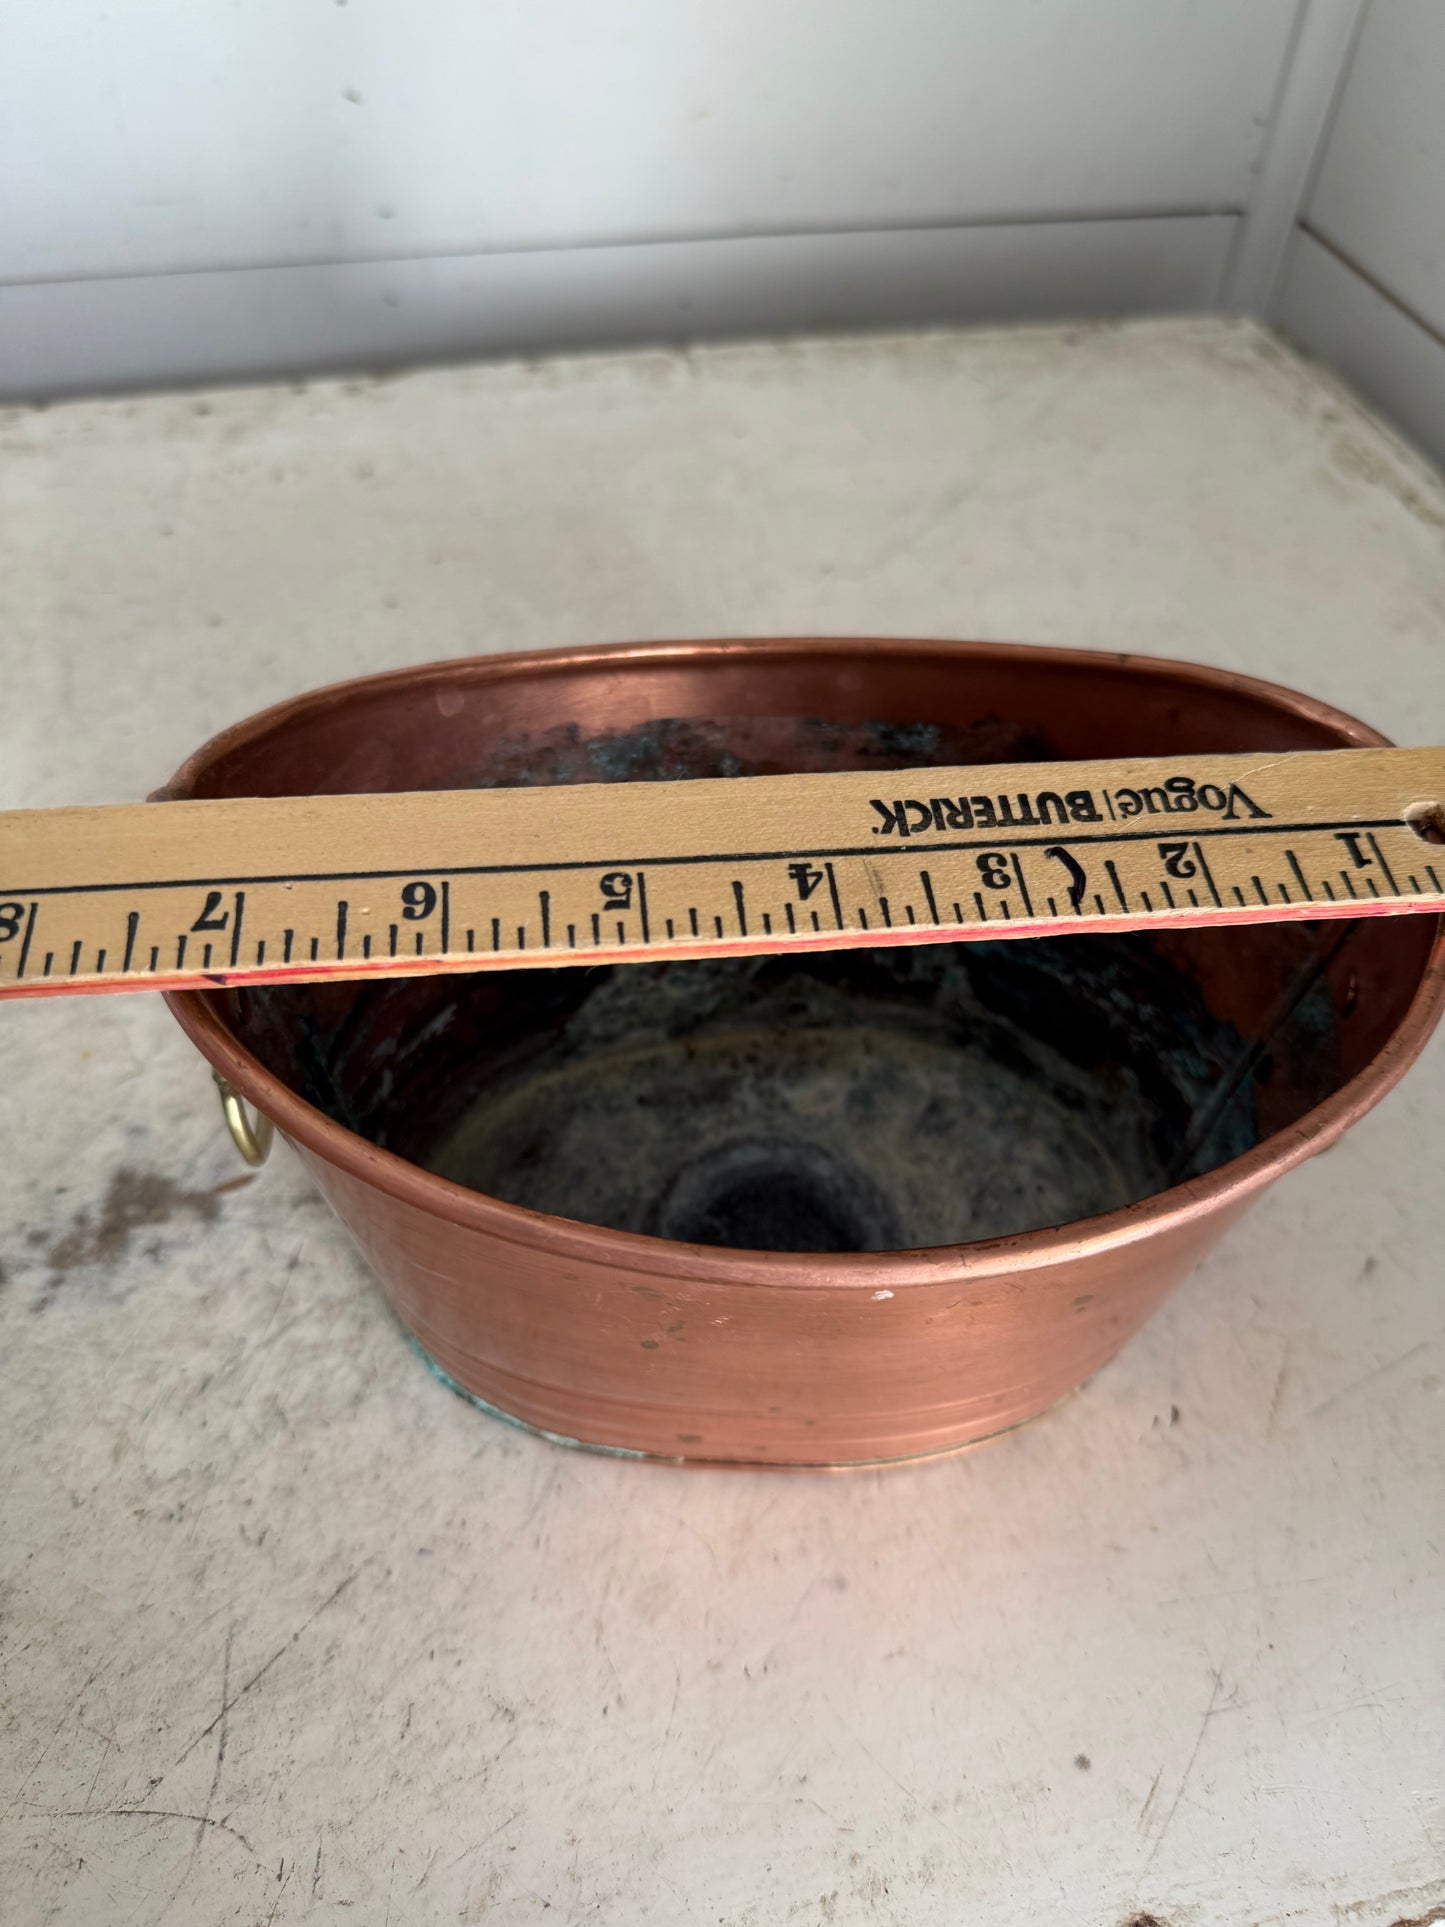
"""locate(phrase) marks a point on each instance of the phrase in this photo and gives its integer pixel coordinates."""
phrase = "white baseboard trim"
(180, 330)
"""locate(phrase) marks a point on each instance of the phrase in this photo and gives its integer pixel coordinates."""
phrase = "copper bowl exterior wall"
(640, 1345)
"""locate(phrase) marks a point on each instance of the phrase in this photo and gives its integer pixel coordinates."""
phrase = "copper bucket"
(828, 1211)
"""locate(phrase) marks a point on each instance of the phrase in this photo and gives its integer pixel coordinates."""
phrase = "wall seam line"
(989, 224)
(1372, 281)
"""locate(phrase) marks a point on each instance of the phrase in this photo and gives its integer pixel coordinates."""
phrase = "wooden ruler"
(287, 889)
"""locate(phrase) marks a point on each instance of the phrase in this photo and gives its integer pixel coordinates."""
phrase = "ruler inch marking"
(642, 908)
(1370, 838)
(132, 924)
(982, 913)
(25, 941)
(50, 959)
(544, 901)
(341, 909)
(240, 911)
(1112, 872)
(1203, 861)
(75, 955)
(833, 893)
(1018, 870)
(1299, 876)
(927, 881)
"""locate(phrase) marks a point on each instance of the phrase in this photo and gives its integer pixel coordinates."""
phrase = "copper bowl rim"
(565, 1238)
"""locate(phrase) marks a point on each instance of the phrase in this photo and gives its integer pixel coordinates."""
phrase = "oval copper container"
(688, 1351)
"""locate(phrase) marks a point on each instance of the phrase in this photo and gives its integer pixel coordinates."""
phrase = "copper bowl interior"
(863, 1101)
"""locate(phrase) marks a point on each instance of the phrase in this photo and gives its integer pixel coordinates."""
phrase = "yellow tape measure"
(286, 889)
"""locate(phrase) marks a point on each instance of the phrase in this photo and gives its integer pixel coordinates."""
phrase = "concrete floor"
(292, 1634)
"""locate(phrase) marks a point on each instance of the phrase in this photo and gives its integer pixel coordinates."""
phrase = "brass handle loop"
(253, 1141)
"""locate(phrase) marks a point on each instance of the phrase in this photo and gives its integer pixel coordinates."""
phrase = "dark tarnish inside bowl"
(861, 1102)
(844, 1168)
(857, 1101)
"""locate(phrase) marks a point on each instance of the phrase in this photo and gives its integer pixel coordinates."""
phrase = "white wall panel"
(156, 136)
(1379, 197)
(1394, 362)
(64, 337)
(1364, 282)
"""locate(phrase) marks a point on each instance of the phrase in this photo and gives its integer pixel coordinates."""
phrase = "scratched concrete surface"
(292, 1634)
